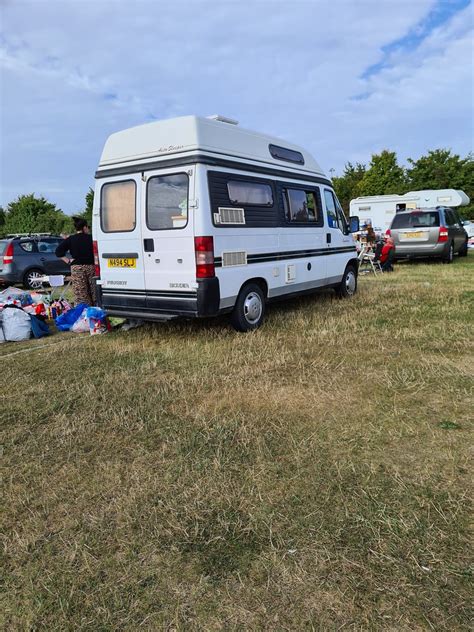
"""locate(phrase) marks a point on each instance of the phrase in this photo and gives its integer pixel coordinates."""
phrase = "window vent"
(234, 258)
(230, 216)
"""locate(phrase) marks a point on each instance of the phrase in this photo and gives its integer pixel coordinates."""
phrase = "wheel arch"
(260, 281)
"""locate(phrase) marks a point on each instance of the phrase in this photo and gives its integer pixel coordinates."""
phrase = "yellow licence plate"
(122, 263)
(413, 235)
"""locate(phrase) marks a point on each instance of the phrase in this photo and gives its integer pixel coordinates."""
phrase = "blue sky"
(344, 78)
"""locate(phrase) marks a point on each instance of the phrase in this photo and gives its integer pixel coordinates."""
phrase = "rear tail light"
(95, 250)
(443, 234)
(388, 233)
(204, 251)
(8, 254)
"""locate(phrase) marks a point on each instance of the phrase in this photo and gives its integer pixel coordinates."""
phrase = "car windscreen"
(3, 245)
(416, 220)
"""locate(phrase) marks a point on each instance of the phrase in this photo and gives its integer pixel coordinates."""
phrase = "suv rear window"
(416, 220)
(3, 245)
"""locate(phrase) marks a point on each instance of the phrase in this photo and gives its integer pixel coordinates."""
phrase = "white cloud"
(73, 72)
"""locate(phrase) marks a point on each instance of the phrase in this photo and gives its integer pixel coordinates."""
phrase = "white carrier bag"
(15, 325)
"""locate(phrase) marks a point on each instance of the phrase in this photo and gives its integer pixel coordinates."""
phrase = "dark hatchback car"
(25, 259)
(428, 232)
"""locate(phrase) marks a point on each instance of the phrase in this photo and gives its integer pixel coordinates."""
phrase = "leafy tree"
(87, 213)
(440, 169)
(383, 176)
(29, 214)
(2, 222)
(347, 185)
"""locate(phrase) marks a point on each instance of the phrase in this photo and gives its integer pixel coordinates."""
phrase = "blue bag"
(67, 320)
(38, 327)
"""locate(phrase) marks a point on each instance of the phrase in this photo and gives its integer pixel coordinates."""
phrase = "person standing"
(80, 247)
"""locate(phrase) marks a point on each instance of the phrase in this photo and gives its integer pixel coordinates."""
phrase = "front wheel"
(249, 308)
(463, 251)
(348, 286)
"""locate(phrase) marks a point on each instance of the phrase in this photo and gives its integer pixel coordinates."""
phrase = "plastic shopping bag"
(67, 320)
(81, 326)
(16, 324)
(97, 321)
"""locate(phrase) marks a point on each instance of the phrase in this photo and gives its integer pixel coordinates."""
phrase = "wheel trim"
(350, 283)
(32, 278)
(253, 308)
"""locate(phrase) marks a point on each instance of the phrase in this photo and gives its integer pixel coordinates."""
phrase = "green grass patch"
(311, 475)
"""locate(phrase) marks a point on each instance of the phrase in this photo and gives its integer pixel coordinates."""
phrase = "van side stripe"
(265, 257)
(213, 161)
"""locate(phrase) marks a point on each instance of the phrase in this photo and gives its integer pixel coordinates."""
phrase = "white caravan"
(197, 217)
(379, 210)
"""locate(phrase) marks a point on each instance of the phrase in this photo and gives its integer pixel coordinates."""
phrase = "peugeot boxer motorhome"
(197, 217)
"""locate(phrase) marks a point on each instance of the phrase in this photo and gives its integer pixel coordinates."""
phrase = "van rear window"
(167, 202)
(416, 220)
(118, 207)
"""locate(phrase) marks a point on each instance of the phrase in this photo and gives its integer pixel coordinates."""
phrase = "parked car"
(469, 228)
(428, 232)
(24, 259)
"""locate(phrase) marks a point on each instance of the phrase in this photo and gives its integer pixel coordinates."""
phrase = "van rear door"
(168, 239)
(117, 230)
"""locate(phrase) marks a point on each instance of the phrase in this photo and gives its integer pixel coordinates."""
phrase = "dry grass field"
(312, 475)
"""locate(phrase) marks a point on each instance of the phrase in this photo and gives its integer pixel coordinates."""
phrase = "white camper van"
(197, 217)
(379, 210)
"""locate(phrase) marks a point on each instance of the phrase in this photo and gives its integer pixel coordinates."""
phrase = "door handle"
(328, 238)
(42, 258)
(148, 245)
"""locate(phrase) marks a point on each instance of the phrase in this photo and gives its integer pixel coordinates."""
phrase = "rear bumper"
(421, 250)
(161, 304)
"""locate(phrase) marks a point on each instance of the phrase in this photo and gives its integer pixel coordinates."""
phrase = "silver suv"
(428, 232)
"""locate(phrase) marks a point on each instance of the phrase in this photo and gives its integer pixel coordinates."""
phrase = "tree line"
(31, 214)
(438, 169)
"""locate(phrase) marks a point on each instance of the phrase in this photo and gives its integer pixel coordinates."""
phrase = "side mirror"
(354, 225)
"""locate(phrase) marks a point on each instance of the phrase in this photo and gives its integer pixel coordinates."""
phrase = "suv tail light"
(443, 234)
(204, 251)
(8, 254)
(95, 250)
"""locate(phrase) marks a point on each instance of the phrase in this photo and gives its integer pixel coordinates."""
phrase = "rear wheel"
(249, 308)
(348, 286)
(31, 279)
(449, 256)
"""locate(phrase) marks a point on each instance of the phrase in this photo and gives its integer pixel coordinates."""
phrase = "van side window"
(335, 214)
(118, 207)
(167, 202)
(302, 207)
(251, 193)
(330, 209)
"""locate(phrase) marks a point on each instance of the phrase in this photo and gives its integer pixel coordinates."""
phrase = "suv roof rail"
(17, 235)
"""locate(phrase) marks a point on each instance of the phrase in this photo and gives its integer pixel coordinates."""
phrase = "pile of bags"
(24, 314)
(82, 319)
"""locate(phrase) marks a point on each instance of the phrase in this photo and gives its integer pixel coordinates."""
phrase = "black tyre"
(249, 310)
(449, 256)
(30, 279)
(348, 286)
(463, 250)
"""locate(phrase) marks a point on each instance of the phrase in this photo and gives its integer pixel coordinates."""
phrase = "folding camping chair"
(56, 281)
(367, 262)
